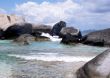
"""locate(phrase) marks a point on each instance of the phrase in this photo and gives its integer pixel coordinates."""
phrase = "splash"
(52, 38)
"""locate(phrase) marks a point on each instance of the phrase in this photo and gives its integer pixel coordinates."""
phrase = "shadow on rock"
(97, 67)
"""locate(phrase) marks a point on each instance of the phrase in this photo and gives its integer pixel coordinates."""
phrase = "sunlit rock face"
(8, 20)
(97, 67)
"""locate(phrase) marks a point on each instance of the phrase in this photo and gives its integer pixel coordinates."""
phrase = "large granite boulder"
(8, 20)
(70, 35)
(97, 67)
(98, 38)
(24, 39)
(42, 28)
(39, 29)
(17, 30)
(57, 28)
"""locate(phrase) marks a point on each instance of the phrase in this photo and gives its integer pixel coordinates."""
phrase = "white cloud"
(47, 12)
(84, 14)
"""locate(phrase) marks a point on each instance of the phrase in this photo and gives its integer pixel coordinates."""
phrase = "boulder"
(57, 28)
(39, 29)
(98, 38)
(98, 67)
(42, 28)
(70, 35)
(17, 30)
(8, 20)
(24, 39)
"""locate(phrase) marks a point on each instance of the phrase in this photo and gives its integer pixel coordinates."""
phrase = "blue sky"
(82, 14)
(10, 4)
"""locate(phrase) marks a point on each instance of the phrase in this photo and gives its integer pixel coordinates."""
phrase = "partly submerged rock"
(57, 28)
(98, 38)
(97, 67)
(42, 38)
(24, 39)
(16, 30)
(70, 35)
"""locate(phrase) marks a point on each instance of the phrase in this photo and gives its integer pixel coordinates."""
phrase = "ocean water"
(43, 59)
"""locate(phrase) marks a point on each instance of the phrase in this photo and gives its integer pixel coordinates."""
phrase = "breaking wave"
(53, 57)
(52, 38)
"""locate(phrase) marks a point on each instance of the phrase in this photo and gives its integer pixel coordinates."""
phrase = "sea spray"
(52, 38)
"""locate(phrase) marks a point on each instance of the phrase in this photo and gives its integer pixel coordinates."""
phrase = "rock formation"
(42, 28)
(42, 38)
(8, 20)
(70, 35)
(57, 28)
(39, 29)
(24, 39)
(97, 67)
(17, 30)
(98, 38)
(1, 34)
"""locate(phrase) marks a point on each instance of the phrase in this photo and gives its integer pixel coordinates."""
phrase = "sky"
(81, 14)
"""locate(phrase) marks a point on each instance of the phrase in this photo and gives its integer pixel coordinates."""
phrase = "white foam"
(41, 53)
(54, 57)
(52, 38)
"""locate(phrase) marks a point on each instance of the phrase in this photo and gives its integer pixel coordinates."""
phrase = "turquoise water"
(42, 59)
